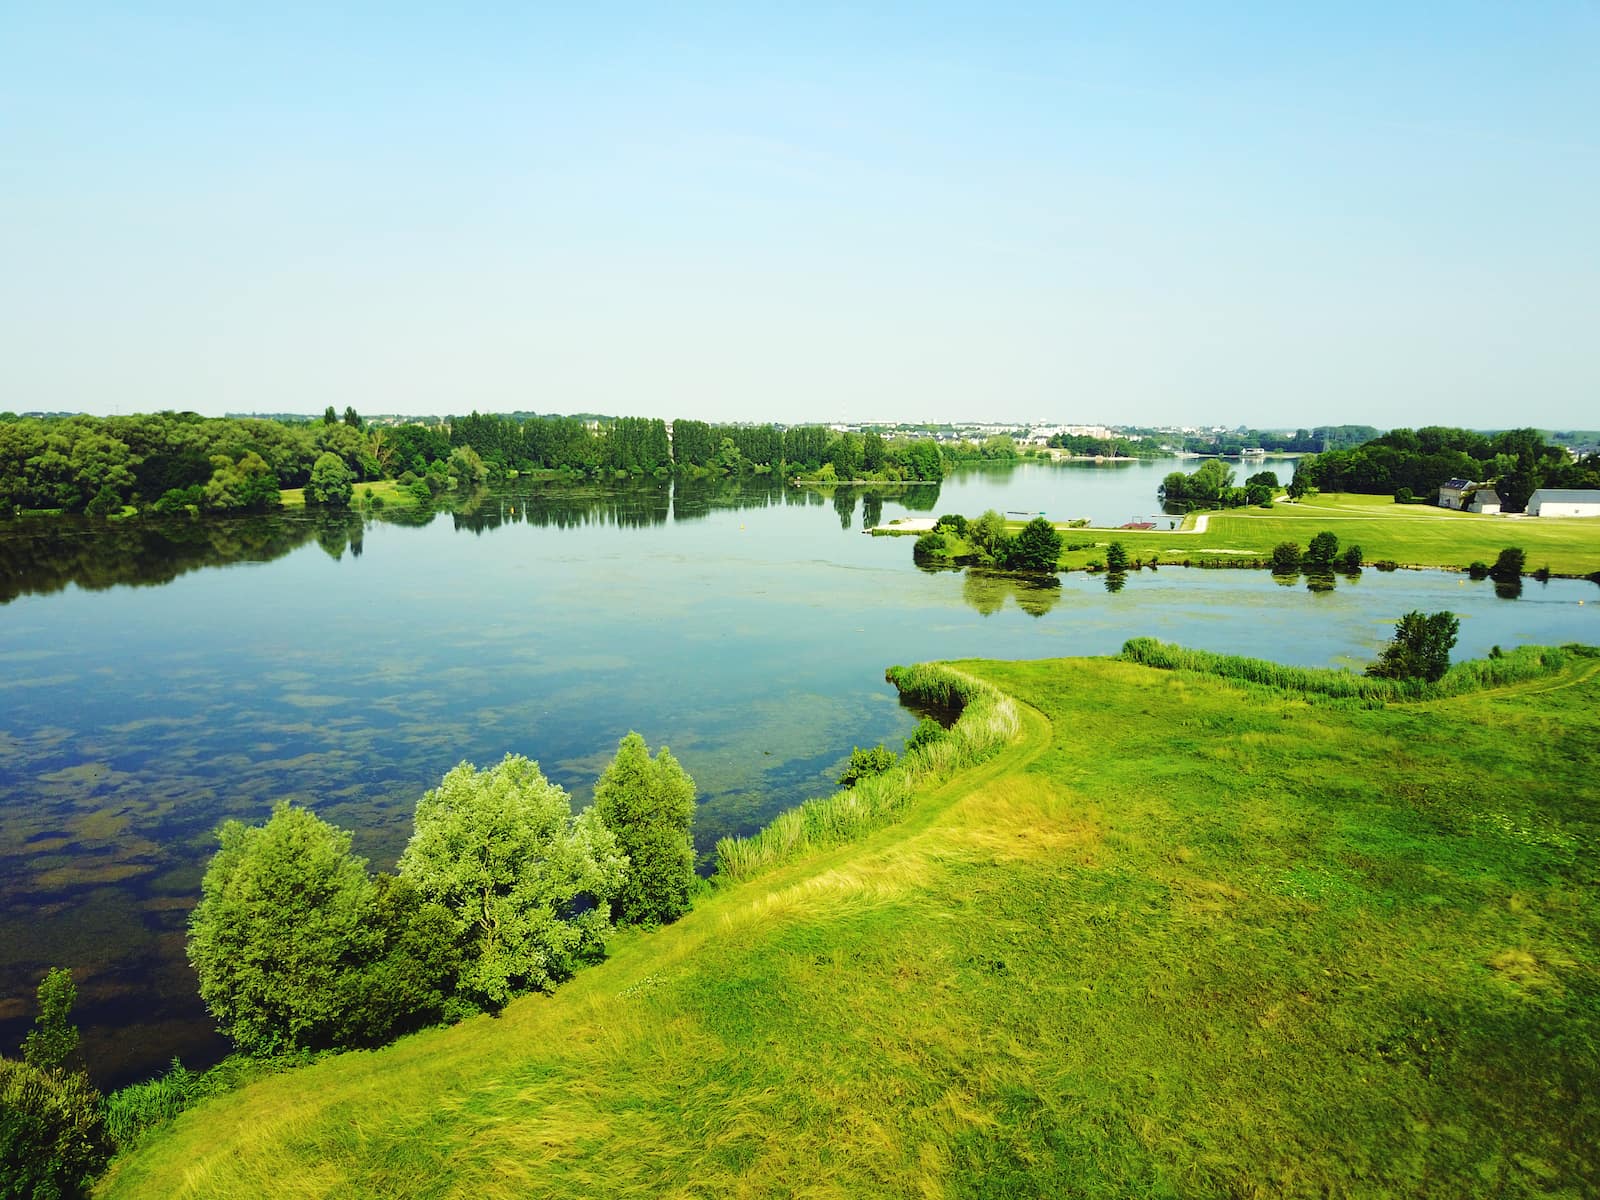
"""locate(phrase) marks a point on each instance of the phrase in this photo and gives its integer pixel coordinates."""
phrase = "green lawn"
(1183, 938)
(1412, 535)
(390, 492)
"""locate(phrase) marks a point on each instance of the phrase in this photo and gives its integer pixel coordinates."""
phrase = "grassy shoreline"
(1282, 948)
(1410, 536)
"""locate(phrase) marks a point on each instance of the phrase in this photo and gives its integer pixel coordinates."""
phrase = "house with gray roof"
(1564, 502)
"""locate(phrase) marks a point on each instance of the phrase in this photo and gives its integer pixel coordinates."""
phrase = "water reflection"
(988, 591)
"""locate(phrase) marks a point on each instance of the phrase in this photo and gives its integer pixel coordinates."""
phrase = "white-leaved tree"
(530, 885)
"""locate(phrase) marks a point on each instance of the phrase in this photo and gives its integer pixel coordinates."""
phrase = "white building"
(1564, 502)
(1484, 500)
(1452, 492)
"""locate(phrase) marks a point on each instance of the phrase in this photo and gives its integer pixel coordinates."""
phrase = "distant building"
(1564, 502)
(1484, 500)
(1453, 492)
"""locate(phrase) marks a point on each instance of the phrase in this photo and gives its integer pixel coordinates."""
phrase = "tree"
(1323, 549)
(1037, 547)
(1420, 648)
(987, 534)
(528, 885)
(1116, 557)
(52, 1133)
(1350, 561)
(329, 417)
(280, 932)
(866, 763)
(330, 480)
(1286, 558)
(53, 1040)
(1508, 567)
(648, 804)
(351, 417)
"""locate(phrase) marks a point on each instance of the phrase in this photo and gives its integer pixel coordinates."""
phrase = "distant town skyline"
(1268, 216)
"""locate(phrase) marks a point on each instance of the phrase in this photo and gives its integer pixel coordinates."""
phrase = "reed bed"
(1323, 684)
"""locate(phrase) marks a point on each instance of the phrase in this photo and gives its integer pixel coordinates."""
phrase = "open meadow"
(1183, 937)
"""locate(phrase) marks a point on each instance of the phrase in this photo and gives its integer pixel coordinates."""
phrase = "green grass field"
(391, 493)
(1413, 535)
(1182, 938)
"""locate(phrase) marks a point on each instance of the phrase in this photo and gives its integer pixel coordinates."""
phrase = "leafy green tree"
(466, 467)
(52, 1133)
(987, 534)
(1350, 561)
(282, 919)
(330, 481)
(1116, 557)
(1323, 549)
(1420, 648)
(528, 885)
(1037, 547)
(53, 1040)
(1286, 558)
(329, 417)
(1509, 565)
(649, 805)
(351, 417)
(864, 764)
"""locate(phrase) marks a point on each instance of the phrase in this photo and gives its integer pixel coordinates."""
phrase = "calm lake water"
(158, 678)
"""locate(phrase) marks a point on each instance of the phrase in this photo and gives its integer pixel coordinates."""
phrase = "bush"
(1286, 558)
(1037, 547)
(1322, 550)
(926, 732)
(1116, 557)
(954, 522)
(139, 1108)
(1420, 648)
(1350, 561)
(1403, 495)
(930, 545)
(1509, 565)
(52, 1133)
(866, 763)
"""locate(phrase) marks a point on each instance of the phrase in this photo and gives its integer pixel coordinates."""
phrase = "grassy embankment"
(1185, 936)
(1413, 535)
(387, 490)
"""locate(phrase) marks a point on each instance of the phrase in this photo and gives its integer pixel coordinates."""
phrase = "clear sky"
(1263, 214)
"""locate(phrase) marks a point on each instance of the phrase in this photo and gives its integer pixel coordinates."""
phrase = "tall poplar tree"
(649, 805)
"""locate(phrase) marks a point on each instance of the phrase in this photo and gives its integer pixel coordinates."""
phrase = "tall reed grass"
(1522, 664)
(988, 721)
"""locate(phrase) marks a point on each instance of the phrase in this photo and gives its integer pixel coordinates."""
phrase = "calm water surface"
(157, 679)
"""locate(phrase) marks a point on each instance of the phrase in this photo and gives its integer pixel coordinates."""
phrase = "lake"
(161, 676)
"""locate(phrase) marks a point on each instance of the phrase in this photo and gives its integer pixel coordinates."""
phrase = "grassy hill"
(1184, 938)
(1417, 535)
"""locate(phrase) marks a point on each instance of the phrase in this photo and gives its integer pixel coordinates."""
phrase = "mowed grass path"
(1185, 939)
(1410, 534)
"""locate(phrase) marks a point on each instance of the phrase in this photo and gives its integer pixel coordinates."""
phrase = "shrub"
(52, 1133)
(1350, 561)
(1420, 648)
(1037, 547)
(926, 732)
(1509, 565)
(930, 545)
(1116, 557)
(1286, 558)
(1403, 495)
(1478, 570)
(866, 763)
(1323, 548)
(953, 521)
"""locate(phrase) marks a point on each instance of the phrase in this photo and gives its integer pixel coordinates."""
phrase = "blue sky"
(1267, 214)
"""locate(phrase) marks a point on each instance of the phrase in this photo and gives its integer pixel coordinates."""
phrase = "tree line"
(1211, 486)
(170, 461)
(1409, 463)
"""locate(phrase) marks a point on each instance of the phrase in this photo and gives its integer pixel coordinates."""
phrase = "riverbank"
(985, 993)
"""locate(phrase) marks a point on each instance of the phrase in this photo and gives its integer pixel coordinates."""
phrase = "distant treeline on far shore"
(169, 461)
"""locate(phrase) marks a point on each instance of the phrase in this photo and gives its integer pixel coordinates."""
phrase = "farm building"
(1453, 492)
(1484, 500)
(1564, 502)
